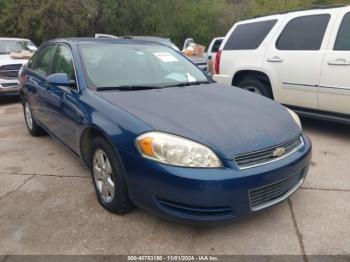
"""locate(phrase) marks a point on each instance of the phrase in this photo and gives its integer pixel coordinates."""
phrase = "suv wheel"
(256, 86)
(31, 124)
(108, 178)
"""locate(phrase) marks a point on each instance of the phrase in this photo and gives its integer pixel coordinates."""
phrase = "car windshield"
(9, 46)
(116, 65)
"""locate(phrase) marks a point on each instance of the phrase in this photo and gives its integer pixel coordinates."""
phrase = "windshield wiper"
(194, 83)
(126, 88)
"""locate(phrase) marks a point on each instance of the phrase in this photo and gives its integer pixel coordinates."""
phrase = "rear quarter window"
(216, 45)
(32, 61)
(249, 36)
(43, 59)
(304, 33)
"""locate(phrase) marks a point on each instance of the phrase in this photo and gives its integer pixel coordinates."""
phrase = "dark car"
(156, 132)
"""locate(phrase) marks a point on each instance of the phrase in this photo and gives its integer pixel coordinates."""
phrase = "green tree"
(40, 20)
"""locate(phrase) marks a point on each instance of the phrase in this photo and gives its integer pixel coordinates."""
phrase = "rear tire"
(256, 86)
(108, 177)
(33, 128)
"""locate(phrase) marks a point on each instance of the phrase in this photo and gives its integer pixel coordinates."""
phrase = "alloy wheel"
(103, 175)
(28, 115)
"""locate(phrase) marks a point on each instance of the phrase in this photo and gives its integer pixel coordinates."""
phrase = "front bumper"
(196, 195)
(9, 87)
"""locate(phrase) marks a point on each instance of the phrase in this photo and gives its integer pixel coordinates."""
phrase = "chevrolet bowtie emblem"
(278, 152)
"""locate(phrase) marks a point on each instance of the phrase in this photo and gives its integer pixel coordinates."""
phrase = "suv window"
(343, 39)
(63, 62)
(216, 45)
(43, 59)
(304, 33)
(249, 36)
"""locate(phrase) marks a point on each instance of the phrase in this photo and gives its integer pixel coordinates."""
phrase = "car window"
(249, 36)
(63, 62)
(304, 33)
(32, 60)
(108, 65)
(216, 45)
(343, 38)
(43, 59)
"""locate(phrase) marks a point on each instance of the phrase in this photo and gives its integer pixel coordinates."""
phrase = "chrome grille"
(9, 85)
(10, 71)
(266, 156)
(268, 195)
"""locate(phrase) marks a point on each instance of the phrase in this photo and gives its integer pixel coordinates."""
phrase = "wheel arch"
(86, 137)
(240, 75)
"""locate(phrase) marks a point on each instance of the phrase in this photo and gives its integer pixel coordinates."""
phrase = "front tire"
(31, 124)
(256, 86)
(108, 178)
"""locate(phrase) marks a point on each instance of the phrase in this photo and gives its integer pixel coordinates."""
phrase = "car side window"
(32, 60)
(249, 36)
(63, 62)
(216, 45)
(343, 38)
(43, 59)
(304, 33)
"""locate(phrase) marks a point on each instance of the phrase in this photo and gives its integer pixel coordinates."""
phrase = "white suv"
(300, 59)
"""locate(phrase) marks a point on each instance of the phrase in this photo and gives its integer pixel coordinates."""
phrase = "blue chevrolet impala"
(156, 132)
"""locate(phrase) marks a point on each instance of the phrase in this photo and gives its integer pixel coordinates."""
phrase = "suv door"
(294, 59)
(63, 102)
(334, 90)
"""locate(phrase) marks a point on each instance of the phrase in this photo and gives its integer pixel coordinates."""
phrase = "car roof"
(305, 11)
(93, 40)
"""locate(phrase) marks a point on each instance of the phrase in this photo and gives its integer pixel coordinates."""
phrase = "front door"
(334, 91)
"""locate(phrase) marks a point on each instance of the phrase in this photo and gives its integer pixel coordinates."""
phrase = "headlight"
(295, 117)
(177, 151)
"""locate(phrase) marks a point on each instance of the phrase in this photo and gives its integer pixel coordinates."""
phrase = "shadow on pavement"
(8, 100)
(326, 127)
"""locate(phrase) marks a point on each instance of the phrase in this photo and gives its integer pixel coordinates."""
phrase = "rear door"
(245, 45)
(334, 90)
(295, 56)
(36, 84)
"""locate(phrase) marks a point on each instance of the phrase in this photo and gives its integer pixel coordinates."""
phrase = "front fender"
(118, 126)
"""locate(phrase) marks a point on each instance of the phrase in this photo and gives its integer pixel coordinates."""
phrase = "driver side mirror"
(60, 79)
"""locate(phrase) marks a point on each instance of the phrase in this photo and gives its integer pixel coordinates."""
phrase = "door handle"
(275, 59)
(339, 62)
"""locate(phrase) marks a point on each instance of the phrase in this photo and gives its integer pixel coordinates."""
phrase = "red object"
(217, 62)
(23, 77)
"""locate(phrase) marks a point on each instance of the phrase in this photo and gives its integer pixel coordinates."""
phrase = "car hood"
(8, 60)
(229, 120)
